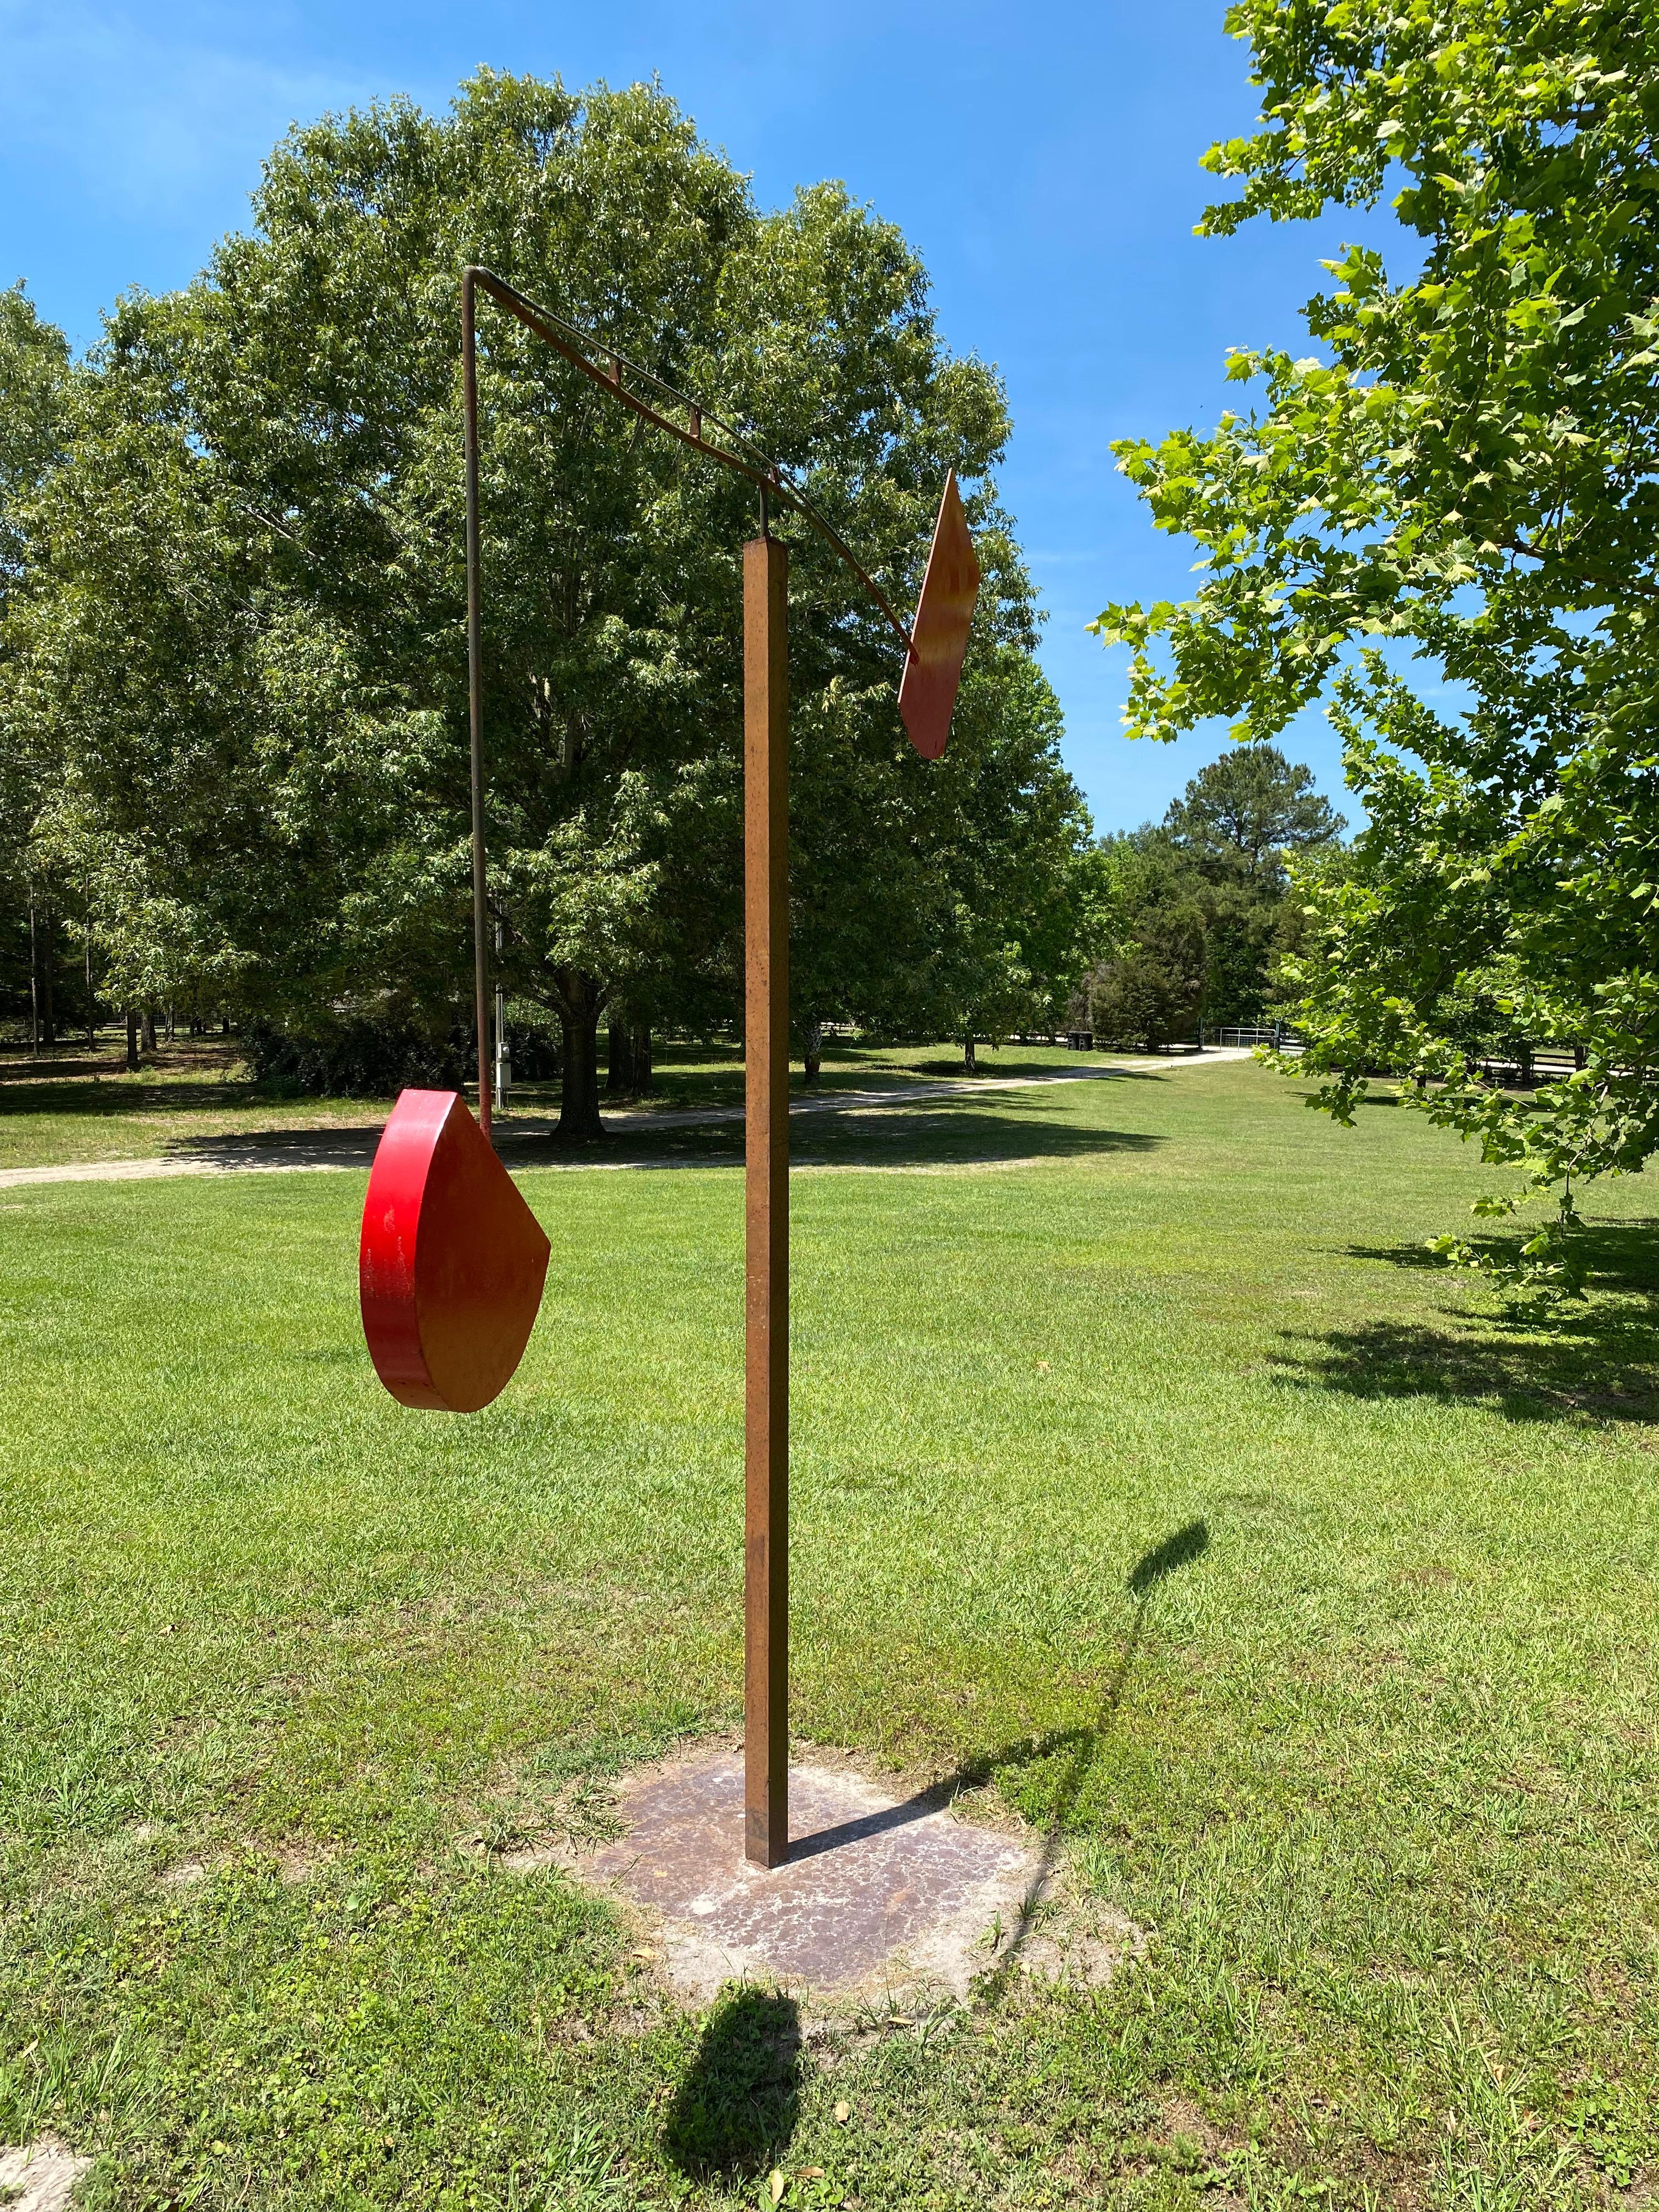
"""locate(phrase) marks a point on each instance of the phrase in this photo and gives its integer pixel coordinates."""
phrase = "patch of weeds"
(611, 1752)
(53, 1790)
(582, 1810)
(590, 2177)
(377, 2037)
(586, 1813)
(499, 1835)
(1613, 2136)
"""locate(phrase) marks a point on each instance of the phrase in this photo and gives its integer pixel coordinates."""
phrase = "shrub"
(357, 1057)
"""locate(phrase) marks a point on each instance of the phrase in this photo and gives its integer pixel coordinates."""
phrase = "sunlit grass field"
(1373, 1766)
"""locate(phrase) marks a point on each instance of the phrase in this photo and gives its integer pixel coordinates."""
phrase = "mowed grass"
(1372, 1764)
(75, 1104)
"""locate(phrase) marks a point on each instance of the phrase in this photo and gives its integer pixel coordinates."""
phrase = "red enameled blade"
(938, 637)
(452, 1262)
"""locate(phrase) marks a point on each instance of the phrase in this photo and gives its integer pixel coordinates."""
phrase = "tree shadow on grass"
(965, 1135)
(735, 2111)
(895, 1137)
(969, 1131)
(114, 1094)
(324, 1147)
(1597, 1361)
(883, 1137)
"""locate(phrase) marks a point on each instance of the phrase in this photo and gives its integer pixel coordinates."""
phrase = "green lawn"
(1374, 1765)
(73, 1105)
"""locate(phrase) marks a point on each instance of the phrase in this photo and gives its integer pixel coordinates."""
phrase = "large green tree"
(297, 410)
(1246, 813)
(1466, 471)
(34, 396)
(1195, 913)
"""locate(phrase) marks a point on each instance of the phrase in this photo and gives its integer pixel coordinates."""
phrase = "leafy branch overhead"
(1443, 523)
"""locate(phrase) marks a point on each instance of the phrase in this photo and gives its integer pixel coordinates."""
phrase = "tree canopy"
(34, 381)
(1249, 812)
(1465, 475)
(240, 636)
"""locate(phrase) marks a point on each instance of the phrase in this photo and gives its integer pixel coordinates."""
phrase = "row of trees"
(231, 652)
(1196, 913)
(1464, 473)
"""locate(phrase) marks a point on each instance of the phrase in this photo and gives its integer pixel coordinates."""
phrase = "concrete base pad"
(875, 1895)
(38, 2177)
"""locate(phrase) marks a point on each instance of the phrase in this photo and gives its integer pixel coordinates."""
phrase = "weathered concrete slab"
(39, 2175)
(876, 1892)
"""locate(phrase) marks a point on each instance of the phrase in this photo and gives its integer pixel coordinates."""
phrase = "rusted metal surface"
(766, 1198)
(451, 1261)
(938, 637)
(874, 1890)
(475, 690)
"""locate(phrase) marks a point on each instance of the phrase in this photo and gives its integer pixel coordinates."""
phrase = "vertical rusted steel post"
(935, 645)
(475, 691)
(766, 1188)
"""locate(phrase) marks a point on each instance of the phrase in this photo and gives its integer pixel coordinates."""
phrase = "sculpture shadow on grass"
(1079, 1747)
(735, 2111)
(1182, 1548)
(1595, 1361)
(1188, 1543)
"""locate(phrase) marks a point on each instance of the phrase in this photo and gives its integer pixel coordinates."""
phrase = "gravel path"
(319, 1151)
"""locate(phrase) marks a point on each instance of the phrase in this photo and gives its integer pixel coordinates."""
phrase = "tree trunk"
(619, 1061)
(812, 1054)
(132, 1040)
(580, 1001)
(170, 1027)
(970, 1065)
(148, 1028)
(34, 985)
(641, 1043)
(92, 1004)
(48, 1017)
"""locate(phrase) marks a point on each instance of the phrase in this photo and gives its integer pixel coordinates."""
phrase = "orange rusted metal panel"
(451, 1261)
(938, 637)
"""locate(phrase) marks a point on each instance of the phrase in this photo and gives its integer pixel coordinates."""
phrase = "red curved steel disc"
(452, 1262)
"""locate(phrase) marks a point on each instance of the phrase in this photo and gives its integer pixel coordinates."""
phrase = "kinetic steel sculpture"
(451, 1275)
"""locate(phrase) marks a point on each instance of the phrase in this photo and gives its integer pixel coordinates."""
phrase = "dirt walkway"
(318, 1150)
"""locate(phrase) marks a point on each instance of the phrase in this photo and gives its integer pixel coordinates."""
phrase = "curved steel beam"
(612, 372)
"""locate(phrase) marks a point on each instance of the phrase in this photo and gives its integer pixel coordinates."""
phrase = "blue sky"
(1043, 159)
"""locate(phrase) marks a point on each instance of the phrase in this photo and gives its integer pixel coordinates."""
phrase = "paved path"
(319, 1151)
